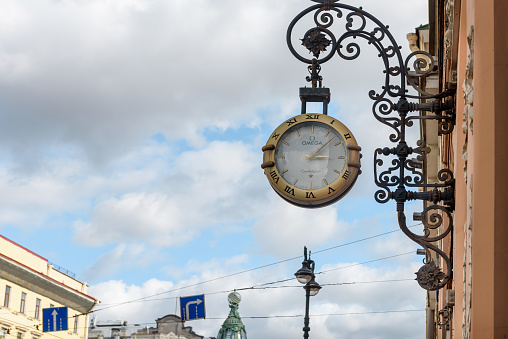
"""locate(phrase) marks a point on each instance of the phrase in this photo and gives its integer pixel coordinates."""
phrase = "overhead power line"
(258, 287)
(324, 314)
(261, 286)
(264, 266)
(365, 262)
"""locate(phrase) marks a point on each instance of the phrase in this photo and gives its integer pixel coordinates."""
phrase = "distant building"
(168, 327)
(108, 330)
(28, 284)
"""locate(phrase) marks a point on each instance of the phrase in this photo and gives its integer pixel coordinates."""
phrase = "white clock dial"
(310, 156)
(311, 160)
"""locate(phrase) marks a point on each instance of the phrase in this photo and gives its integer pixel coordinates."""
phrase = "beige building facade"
(29, 284)
(469, 39)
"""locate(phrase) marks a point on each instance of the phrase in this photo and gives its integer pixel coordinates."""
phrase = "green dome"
(233, 328)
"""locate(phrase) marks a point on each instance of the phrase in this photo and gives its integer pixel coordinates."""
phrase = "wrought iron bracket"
(402, 178)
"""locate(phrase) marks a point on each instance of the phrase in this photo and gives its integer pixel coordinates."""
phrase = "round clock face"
(311, 160)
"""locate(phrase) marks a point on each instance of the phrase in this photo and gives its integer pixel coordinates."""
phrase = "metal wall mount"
(401, 178)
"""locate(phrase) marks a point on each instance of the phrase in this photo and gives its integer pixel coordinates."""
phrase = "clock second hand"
(313, 154)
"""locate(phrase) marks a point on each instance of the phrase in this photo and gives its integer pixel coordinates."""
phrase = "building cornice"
(38, 282)
(24, 248)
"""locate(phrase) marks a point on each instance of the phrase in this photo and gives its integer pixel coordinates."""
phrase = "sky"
(130, 152)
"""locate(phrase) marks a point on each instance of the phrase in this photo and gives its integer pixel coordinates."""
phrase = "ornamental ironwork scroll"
(402, 178)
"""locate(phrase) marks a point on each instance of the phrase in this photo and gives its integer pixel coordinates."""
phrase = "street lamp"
(305, 275)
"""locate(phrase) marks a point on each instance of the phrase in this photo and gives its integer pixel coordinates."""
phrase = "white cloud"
(121, 257)
(394, 243)
(122, 70)
(285, 227)
(64, 184)
(194, 267)
(219, 184)
(101, 75)
(42, 194)
(150, 217)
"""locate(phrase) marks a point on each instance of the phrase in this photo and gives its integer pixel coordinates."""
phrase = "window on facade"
(76, 324)
(23, 301)
(7, 296)
(19, 336)
(37, 308)
(2, 332)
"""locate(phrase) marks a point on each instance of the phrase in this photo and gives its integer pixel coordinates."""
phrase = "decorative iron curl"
(445, 125)
(381, 108)
(432, 219)
(417, 176)
(429, 276)
(386, 178)
(380, 38)
(382, 196)
(445, 175)
(353, 49)
(423, 66)
(325, 20)
(386, 54)
(356, 22)
(385, 107)
(350, 18)
(394, 71)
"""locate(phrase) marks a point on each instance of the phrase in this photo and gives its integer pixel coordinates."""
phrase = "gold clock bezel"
(319, 197)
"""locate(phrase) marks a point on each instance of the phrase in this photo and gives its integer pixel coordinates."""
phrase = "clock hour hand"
(313, 154)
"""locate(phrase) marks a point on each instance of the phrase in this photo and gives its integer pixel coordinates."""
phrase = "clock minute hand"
(313, 154)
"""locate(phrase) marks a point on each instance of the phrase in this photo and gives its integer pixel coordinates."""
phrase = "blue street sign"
(54, 319)
(193, 307)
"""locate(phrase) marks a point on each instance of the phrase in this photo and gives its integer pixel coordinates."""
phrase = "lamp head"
(304, 274)
(313, 287)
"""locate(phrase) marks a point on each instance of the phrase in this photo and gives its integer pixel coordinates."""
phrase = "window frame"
(7, 297)
(22, 303)
(37, 308)
(76, 323)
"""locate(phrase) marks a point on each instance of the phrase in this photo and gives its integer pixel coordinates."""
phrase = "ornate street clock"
(311, 160)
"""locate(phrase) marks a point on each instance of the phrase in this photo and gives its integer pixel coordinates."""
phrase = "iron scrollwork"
(392, 108)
